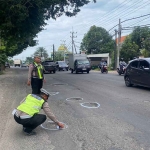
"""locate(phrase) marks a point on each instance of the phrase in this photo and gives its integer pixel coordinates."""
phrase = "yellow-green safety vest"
(32, 104)
(39, 68)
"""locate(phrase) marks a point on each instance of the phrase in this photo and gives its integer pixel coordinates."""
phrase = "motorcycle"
(104, 69)
(122, 68)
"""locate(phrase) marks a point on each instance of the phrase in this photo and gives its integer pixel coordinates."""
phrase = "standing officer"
(36, 75)
(27, 115)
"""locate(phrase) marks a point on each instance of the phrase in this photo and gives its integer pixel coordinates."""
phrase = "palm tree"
(41, 52)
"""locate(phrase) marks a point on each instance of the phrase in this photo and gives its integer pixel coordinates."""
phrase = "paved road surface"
(122, 122)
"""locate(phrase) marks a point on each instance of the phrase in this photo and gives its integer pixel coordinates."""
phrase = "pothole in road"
(90, 105)
(74, 99)
(53, 93)
(50, 125)
(57, 84)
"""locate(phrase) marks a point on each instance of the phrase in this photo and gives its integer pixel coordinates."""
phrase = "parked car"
(61, 65)
(138, 73)
(49, 66)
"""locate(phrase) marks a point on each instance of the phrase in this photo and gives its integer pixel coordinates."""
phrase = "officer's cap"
(44, 92)
(35, 56)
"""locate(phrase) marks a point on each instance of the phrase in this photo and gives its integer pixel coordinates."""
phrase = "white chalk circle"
(57, 84)
(50, 125)
(90, 105)
(74, 99)
(53, 93)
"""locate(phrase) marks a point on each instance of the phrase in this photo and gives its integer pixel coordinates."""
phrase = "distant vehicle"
(61, 65)
(104, 69)
(138, 73)
(24, 65)
(122, 68)
(17, 62)
(49, 66)
(79, 63)
(7, 65)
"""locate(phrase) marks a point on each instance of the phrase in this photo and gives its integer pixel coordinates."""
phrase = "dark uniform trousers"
(30, 124)
(36, 85)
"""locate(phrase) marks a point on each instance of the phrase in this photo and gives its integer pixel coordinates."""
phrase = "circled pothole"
(50, 125)
(57, 84)
(53, 93)
(90, 105)
(74, 99)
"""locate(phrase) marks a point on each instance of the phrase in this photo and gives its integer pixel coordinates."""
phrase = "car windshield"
(80, 62)
(62, 63)
(49, 63)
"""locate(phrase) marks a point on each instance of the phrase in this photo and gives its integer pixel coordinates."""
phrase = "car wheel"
(87, 71)
(128, 81)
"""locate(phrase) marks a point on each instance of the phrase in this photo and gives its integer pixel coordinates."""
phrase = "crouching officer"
(27, 115)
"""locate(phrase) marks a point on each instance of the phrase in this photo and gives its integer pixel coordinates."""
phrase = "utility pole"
(53, 52)
(115, 50)
(119, 40)
(72, 37)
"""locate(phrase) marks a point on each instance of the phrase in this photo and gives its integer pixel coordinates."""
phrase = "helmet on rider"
(121, 59)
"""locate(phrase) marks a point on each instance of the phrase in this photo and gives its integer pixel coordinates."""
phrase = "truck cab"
(79, 63)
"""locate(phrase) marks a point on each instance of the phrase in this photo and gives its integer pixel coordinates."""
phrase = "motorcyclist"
(102, 64)
(121, 64)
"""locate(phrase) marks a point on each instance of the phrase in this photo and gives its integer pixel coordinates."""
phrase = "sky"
(103, 13)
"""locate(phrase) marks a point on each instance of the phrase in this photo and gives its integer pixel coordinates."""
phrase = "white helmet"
(45, 92)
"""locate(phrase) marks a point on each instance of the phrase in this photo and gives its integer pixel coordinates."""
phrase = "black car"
(138, 73)
(49, 66)
(61, 65)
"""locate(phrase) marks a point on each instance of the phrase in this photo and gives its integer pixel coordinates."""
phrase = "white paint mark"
(97, 105)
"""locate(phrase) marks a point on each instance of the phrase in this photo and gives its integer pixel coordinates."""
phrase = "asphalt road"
(122, 122)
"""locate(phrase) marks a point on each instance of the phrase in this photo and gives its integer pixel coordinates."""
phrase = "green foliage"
(136, 44)
(129, 49)
(41, 52)
(21, 20)
(97, 40)
(29, 60)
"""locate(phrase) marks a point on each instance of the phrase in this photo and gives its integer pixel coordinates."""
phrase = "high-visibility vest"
(38, 68)
(32, 104)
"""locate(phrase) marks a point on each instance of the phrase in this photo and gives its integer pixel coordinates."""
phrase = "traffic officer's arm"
(50, 115)
(29, 74)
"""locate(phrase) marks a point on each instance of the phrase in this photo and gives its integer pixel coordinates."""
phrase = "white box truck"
(79, 63)
(17, 62)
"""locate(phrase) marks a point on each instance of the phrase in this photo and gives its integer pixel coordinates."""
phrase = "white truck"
(79, 63)
(17, 62)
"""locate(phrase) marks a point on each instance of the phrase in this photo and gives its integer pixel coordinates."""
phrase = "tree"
(21, 20)
(97, 40)
(137, 43)
(129, 49)
(29, 60)
(41, 52)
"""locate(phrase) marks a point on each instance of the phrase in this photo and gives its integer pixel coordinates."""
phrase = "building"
(96, 58)
(122, 40)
